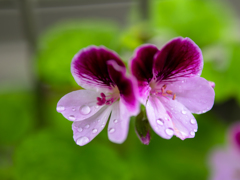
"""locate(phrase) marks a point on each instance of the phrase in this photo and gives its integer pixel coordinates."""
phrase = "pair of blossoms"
(166, 81)
(225, 162)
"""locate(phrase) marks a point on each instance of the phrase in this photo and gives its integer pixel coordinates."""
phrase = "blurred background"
(38, 39)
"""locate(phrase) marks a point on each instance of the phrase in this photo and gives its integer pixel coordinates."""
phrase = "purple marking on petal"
(126, 86)
(235, 136)
(89, 66)
(180, 57)
(142, 63)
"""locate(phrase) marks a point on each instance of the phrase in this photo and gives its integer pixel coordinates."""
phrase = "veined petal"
(89, 67)
(194, 93)
(180, 57)
(127, 87)
(85, 131)
(78, 105)
(184, 123)
(119, 123)
(158, 118)
(141, 66)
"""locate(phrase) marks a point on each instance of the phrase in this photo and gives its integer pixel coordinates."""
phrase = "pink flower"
(107, 91)
(225, 162)
(171, 88)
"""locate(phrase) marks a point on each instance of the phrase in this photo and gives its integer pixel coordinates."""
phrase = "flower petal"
(126, 86)
(119, 123)
(78, 105)
(180, 57)
(158, 118)
(141, 66)
(184, 123)
(234, 136)
(194, 93)
(85, 131)
(89, 67)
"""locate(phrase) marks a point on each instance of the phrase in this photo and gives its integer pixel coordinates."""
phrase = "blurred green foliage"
(58, 46)
(44, 153)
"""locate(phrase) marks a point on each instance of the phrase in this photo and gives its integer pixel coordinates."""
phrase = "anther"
(164, 86)
(103, 95)
(169, 92)
(174, 97)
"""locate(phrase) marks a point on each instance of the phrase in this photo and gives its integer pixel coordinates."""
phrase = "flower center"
(109, 98)
(163, 92)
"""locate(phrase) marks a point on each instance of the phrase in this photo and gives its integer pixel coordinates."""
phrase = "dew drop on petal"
(72, 118)
(111, 130)
(195, 130)
(160, 121)
(85, 109)
(87, 126)
(193, 121)
(94, 131)
(192, 133)
(82, 141)
(98, 120)
(60, 108)
(184, 112)
(169, 131)
(80, 129)
(115, 120)
(96, 107)
(73, 109)
(102, 125)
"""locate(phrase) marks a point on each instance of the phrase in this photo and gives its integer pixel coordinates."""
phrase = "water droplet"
(82, 141)
(169, 131)
(182, 81)
(111, 130)
(72, 118)
(193, 121)
(192, 133)
(102, 125)
(160, 121)
(60, 108)
(96, 107)
(195, 130)
(85, 109)
(73, 109)
(94, 131)
(87, 126)
(115, 120)
(98, 120)
(184, 112)
(80, 129)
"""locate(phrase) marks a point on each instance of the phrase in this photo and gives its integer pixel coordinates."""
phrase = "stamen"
(164, 94)
(174, 97)
(103, 95)
(164, 86)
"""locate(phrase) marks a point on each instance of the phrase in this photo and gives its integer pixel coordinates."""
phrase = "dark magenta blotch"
(91, 64)
(124, 84)
(237, 139)
(181, 57)
(142, 63)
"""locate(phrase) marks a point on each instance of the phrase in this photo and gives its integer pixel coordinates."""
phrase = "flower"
(171, 88)
(107, 91)
(225, 162)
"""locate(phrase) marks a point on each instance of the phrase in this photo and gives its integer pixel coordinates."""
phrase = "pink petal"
(224, 165)
(194, 93)
(119, 123)
(158, 118)
(85, 131)
(184, 123)
(78, 105)
(126, 86)
(180, 57)
(234, 137)
(89, 67)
